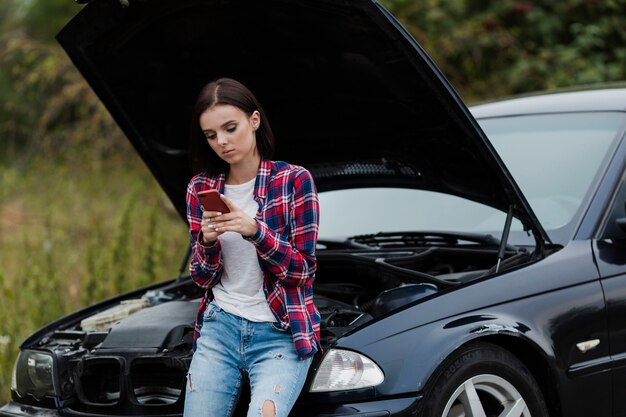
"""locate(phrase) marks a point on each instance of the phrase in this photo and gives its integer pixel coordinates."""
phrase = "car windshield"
(554, 158)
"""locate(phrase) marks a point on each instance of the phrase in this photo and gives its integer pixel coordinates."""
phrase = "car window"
(555, 159)
(370, 210)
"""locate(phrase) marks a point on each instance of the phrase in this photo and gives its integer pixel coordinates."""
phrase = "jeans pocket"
(210, 312)
(277, 327)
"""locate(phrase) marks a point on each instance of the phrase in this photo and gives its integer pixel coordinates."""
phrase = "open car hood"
(350, 94)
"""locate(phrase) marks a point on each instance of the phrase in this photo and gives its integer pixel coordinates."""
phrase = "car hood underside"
(351, 96)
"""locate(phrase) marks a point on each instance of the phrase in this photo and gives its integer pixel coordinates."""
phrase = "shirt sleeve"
(206, 261)
(291, 258)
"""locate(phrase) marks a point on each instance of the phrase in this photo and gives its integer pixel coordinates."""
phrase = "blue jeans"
(230, 347)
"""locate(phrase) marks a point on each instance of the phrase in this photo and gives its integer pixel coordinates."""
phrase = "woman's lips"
(228, 152)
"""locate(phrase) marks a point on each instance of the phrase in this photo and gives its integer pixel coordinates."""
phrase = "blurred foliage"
(44, 18)
(81, 218)
(74, 234)
(493, 49)
(79, 211)
(50, 109)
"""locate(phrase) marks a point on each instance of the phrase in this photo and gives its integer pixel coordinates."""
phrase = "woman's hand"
(209, 234)
(215, 223)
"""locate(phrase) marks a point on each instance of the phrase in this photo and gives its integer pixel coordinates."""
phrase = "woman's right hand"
(209, 233)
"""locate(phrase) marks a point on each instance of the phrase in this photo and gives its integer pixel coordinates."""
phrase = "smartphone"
(211, 201)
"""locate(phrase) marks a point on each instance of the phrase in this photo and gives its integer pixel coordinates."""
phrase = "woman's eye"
(210, 137)
(231, 129)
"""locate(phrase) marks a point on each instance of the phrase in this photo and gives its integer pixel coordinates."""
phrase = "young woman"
(257, 320)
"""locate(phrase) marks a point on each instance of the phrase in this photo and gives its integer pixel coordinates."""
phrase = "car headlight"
(33, 374)
(345, 370)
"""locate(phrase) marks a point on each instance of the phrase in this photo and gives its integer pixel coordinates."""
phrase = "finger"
(210, 214)
(206, 230)
(212, 226)
(216, 227)
(209, 235)
(211, 231)
(231, 206)
(224, 221)
(207, 224)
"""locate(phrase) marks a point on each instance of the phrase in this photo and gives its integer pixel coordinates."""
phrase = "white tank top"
(240, 291)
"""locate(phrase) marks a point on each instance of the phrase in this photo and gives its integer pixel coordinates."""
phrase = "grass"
(75, 232)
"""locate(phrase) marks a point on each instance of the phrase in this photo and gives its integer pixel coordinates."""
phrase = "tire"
(482, 380)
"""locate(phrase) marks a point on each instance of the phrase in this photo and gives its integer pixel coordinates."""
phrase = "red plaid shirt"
(287, 219)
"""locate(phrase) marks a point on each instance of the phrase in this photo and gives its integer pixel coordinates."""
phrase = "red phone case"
(211, 201)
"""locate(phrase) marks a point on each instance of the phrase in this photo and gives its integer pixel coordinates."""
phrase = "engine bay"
(134, 351)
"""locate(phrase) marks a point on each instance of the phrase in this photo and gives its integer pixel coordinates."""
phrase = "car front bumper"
(397, 407)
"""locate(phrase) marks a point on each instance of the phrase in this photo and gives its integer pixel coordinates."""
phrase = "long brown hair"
(225, 91)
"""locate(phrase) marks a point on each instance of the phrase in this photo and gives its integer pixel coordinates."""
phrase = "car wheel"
(483, 380)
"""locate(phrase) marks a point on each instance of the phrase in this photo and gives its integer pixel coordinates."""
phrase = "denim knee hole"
(268, 409)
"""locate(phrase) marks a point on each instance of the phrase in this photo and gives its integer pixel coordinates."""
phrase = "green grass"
(73, 232)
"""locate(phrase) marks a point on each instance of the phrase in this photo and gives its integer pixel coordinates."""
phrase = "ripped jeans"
(230, 347)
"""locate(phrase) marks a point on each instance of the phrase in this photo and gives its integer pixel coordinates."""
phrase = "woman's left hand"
(235, 221)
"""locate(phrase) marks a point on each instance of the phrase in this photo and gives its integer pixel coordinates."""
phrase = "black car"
(443, 290)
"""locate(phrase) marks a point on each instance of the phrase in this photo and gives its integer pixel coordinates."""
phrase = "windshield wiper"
(383, 240)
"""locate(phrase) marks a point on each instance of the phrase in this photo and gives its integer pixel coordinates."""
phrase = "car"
(470, 261)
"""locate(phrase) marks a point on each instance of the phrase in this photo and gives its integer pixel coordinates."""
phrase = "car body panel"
(448, 320)
(398, 407)
(611, 259)
(606, 99)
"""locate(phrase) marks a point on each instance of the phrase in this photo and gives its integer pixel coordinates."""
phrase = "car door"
(610, 253)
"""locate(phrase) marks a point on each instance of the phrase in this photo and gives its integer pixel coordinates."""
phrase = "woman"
(257, 262)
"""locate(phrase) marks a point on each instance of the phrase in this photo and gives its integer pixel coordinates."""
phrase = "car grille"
(124, 386)
(100, 381)
(155, 383)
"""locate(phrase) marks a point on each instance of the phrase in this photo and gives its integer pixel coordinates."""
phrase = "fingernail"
(219, 213)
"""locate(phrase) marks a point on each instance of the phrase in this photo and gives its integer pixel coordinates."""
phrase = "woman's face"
(231, 133)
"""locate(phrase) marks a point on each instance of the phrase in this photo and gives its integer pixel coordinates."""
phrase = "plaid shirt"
(285, 241)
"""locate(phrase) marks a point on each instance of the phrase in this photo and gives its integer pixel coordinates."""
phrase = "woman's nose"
(221, 139)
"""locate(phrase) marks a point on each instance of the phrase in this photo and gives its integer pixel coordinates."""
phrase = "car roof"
(607, 99)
